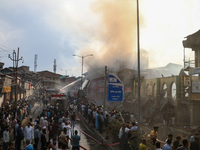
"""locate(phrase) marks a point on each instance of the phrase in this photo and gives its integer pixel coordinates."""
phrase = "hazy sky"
(58, 29)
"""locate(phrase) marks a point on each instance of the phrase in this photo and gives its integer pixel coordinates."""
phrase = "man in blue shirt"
(76, 138)
(29, 145)
(167, 146)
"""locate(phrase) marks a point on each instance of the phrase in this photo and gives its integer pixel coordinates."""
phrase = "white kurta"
(28, 133)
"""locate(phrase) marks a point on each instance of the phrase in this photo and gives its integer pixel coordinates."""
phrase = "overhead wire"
(5, 46)
(5, 50)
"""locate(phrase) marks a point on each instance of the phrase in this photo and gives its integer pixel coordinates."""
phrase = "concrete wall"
(154, 87)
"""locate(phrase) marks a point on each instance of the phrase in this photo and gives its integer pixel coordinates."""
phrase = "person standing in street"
(167, 146)
(106, 123)
(153, 135)
(43, 138)
(68, 127)
(16, 126)
(73, 118)
(51, 130)
(195, 145)
(101, 121)
(5, 138)
(176, 142)
(29, 145)
(20, 136)
(39, 141)
(142, 145)
(185, 145)
(96, 120)
(28, 132)
(76, 138)
(63, 137)
(36, 134)
(89, 114)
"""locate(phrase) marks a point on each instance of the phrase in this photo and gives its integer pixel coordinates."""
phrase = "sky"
(105, 28)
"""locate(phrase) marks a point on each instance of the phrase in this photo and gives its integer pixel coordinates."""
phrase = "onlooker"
(153, 135)
(54, 144)
(51, 130)
(167, 146)
(106, 123)
(124, 140)
(76, 138)
(195, 145)
(36, 135)
(59, 145)
(10, 146)
(176, 142)
(142, 145)
(121, 131)
(73, 119)
(134, 126)
(28, 132)
(43, 138)
(20, 136)
(35, 147)
(158, 146)
(170, 136)
(185, 145)
(63, 137)
(29, 145)
(5, 138)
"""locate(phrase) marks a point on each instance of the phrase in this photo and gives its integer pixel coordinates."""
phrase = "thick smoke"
(114, 44)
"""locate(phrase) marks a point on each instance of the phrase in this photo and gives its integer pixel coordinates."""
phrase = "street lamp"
(82, 57)
(138, 50)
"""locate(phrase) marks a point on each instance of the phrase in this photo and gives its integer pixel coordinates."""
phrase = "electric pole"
(15, 60)
(35, 62)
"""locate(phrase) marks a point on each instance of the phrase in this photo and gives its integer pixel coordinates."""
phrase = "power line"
(5, 50)
(5, 46)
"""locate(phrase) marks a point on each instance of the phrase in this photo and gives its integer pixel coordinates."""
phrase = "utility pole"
(54, 66)
(35, 62)
(15, 60)
(104, 103)
(138, 48)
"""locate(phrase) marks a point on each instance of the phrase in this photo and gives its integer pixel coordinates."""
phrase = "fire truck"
(59, 100)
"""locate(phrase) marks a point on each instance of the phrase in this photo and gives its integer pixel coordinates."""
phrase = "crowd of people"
(51, 129)
(9, 114)
(128, 132)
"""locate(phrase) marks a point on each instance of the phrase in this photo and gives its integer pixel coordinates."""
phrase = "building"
(193, 42)
(24, 79)
(65, 80)
(49, 80)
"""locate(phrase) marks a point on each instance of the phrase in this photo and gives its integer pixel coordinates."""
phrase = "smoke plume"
(114, 44)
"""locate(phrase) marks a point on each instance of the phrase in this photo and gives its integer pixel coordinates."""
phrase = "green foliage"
(135, 139)
(115, 126)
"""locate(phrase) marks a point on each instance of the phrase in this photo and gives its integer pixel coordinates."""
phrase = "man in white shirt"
(106, 113)
(134, 126)
(41, 119)
(132, 117)
(93, 117)
(68, 127)
(28, 132)
(5, 138)
(121, 131)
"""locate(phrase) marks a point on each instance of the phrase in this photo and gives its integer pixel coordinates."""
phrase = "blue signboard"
(115, 89)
